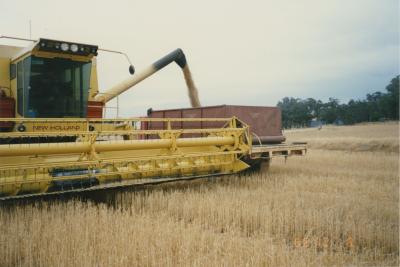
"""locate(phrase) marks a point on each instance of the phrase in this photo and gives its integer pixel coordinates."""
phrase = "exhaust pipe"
(176, 56)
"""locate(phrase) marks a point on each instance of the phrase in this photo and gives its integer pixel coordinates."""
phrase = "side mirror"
(131, 69)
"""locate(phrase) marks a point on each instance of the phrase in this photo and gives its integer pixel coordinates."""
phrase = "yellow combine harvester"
(53, 138)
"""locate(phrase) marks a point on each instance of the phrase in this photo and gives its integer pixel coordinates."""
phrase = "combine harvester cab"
(53, 138)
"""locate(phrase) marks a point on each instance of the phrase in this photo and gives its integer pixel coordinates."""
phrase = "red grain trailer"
(265, 122)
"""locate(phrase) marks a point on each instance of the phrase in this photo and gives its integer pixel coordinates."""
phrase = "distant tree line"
(378, 106)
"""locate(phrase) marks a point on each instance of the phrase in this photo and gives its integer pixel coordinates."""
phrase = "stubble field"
(338, 205)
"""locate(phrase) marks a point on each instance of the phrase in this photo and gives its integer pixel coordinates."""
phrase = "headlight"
(74, 48)
(21, 128)
(64, 47)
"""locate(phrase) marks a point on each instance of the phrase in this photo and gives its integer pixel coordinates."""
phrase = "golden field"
(361, 137)
(338, 205)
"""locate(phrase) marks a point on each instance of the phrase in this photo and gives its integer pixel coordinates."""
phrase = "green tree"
(393, 97)
(297, 112)
(376, 106)
(330, 110)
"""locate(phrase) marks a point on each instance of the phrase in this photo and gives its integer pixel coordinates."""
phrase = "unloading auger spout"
(176, 56)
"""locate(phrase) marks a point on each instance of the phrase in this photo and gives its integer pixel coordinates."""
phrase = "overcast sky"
(240, 52)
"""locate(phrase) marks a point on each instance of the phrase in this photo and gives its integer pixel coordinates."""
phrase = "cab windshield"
(52, 87)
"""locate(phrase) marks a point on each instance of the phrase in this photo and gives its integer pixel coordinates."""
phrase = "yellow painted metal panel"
(94, 85)
(5, 74)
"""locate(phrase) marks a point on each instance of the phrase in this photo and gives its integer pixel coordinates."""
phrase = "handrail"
(135, 119)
